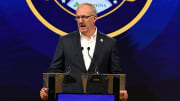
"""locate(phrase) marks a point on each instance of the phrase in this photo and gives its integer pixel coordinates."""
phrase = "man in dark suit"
(76, 50)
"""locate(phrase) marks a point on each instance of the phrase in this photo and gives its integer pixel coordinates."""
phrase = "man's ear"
(95, 18)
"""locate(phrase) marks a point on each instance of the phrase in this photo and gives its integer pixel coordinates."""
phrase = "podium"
(59, 83)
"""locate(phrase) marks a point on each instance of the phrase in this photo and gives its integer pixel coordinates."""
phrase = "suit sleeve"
(57, 65)
(115, 60)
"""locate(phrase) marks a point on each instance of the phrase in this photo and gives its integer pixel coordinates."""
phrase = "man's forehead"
(83, 12)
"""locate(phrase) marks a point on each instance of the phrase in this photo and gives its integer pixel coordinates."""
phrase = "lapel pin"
(101, 40)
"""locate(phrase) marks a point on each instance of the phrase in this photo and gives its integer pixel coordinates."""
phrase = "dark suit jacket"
(69, 55)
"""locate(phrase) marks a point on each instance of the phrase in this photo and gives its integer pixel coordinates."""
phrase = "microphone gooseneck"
(68, 70)
(96, 67)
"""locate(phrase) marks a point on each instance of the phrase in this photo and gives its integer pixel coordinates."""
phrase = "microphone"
(69, 70)
(68, 78)
(82, 48)
(96, 67)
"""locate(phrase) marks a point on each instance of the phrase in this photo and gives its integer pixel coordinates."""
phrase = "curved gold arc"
(112, 10)
(42, 20)
(112, 34)
(98, 17)
(64, 8)
(133, 22)
(131, 0)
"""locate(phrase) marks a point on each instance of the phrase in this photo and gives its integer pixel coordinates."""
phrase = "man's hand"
(44, 93)
(123, 95)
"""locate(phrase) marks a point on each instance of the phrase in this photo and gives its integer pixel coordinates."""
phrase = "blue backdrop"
(150, 53)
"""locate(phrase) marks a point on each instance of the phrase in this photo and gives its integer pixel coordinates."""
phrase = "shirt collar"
(92, 37)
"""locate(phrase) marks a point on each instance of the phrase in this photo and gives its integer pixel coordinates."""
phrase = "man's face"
(85, 19)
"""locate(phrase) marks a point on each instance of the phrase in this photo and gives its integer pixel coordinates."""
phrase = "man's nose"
(80, 19)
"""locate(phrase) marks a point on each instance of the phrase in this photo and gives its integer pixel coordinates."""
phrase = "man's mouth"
(82, 25)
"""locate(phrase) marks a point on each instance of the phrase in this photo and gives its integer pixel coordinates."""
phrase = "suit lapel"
(98, 47)
(78, 50)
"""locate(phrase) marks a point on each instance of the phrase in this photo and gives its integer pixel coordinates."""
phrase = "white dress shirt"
(85, 44)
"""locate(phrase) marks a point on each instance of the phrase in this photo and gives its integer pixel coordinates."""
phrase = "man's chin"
(83, 31)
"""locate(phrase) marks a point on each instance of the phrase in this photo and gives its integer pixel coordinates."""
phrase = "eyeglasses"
(82, 17)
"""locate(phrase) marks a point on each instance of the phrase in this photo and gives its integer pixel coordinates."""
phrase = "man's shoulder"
(69, 35)
(104, 36)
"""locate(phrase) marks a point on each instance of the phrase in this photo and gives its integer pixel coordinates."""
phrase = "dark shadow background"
(150, 52)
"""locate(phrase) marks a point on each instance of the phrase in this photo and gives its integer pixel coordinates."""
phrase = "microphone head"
(88, 48)
(82, 48)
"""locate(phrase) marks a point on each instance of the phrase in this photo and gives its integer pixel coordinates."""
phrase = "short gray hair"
(93, 8)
